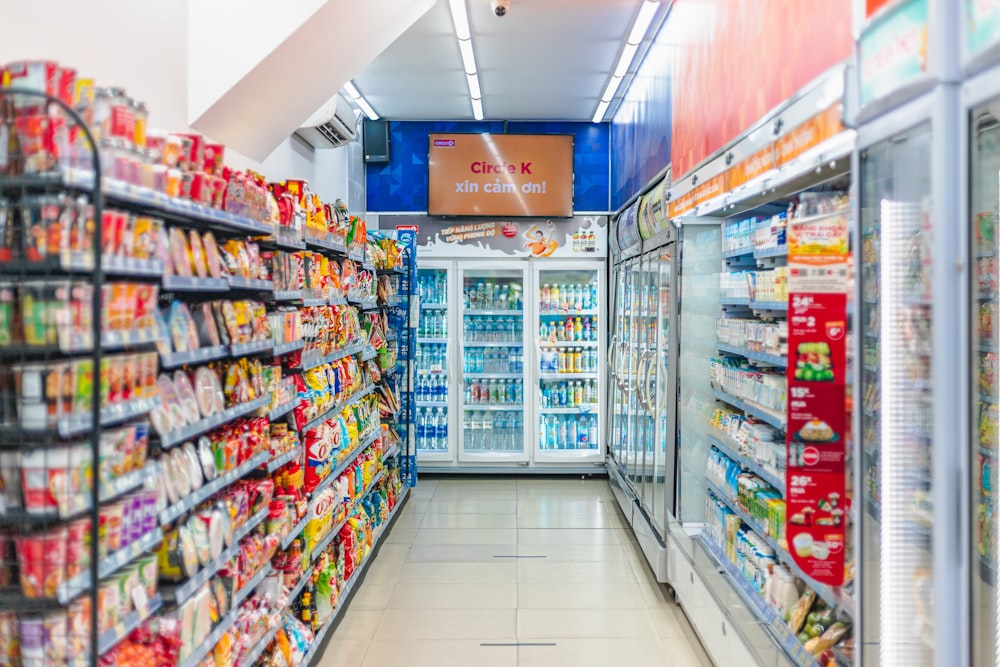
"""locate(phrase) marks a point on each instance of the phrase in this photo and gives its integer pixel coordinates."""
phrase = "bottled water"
(421, 428)
(571, 434)
(562, 437)
(441, 429)
(499, 432)
(487, 426)
(583, 433)
(592, 430)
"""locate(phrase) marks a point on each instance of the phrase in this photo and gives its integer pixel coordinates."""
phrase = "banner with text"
(519, 175)
(817, 398)
(580, 237)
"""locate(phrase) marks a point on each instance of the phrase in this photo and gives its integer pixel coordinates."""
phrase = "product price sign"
(817, 417)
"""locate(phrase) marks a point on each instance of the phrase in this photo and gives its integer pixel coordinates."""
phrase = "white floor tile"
(344, 652)
(482, 624)
(454, 596)
(634, 652)
(504, 571)
(543, 624)
(438, 653)
(358, 624)
(583, 536)
(471, 506)
(574, 596)
(469, 521)
(544, 571)
(451, 553)
(558, 519)
(466, 536)
(575, 552)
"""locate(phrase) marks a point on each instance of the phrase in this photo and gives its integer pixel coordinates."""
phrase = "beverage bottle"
(442, 431)
(578, 393)
(499, 431)
(543, 298)
(501, 297)
(551, 432)
(487, 427)
(543, 432)
(578, 329)
(593, 294)
(561, 393)
(554, 298)
(518, 393)
(512, 392)
(442, 288)
(468, 394)
(577, 360)
(562, 438)
(571, 434)
(477, 331)
(421, 427)
(593, 328)
(564, 298)
(444, 325)
(562, 360)
(543, 331)
(583, 433)
(570, 329)
(592, 430)
(546, 395)
(587, 331)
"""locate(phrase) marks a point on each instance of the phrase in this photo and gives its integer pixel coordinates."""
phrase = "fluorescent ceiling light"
(642, 21)
(475, 92)
(460, 18)
(351, 90)
(625, 59)
(602, 108)
(477, 108)
(609, 92)
(359, 99)
(468, 55)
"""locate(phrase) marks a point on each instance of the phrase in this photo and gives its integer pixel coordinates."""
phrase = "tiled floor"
(474, 567)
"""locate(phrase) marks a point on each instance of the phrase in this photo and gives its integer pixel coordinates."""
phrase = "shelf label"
(817, 398)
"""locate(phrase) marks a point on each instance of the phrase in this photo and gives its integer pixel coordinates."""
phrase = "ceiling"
(546, 59)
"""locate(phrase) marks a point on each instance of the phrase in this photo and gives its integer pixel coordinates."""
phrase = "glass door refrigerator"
(624, 367)
(569, 353)
(896, 524)
(983, 118)
(435, 346)
(491, 401)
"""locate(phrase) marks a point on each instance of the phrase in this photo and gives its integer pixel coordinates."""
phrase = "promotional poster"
(579, 237)
(817, 375)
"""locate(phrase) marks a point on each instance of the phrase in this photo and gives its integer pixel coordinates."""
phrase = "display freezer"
(491, 402)
(434, 350)
(568, 352)
(512, 355)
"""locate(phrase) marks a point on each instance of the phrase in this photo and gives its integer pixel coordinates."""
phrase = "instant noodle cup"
(42, 562)
(77, 547)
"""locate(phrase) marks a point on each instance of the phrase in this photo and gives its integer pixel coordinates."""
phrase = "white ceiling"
(547, 59)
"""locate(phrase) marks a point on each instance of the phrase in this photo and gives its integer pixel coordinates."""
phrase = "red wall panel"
(735, 60)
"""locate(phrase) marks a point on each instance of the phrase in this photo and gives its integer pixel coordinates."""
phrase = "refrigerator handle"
(611, 358)
(651, 376)
(642, 380)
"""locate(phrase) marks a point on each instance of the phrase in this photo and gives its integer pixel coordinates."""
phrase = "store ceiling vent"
(335, 124)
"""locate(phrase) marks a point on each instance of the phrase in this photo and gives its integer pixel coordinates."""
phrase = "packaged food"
(213, 261)
(180, 253)
(194, 466)
(202, 543)
(797, 616)
(207, 458)
(177, 558)
(197, 254)
(186, 396)
(42, 562)
(207, 391)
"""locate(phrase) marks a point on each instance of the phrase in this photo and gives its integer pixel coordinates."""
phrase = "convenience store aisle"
(548, 564)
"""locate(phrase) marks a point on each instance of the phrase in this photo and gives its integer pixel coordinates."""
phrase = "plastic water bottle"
(572, 434)
(421, 428)
(592, 431)
(487, 426)
(442, 430)
(563, 435)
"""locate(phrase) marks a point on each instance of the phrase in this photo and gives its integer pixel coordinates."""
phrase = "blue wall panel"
(401, 184)
(640, 129)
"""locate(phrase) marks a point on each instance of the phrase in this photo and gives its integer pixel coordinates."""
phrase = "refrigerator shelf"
(567, 343)
(752, 409)
(766, 253)
(568, 376)
(493, 376)
(432, 404)
(725, 445)
(588, 409)
(828, 593)
(568, 313)
(472, 407)
(762, 357)
(468, 344)
(738, 252)
(434, 306)
(431, 341)
(775, 626)
(735, 301)
(769, 306)
(469, 311)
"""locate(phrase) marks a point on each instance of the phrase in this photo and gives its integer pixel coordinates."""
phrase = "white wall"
(142, 47)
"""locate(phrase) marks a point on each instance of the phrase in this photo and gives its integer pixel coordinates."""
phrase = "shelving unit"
(77, 421)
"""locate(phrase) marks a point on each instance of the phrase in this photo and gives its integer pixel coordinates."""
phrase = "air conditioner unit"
(335, 124)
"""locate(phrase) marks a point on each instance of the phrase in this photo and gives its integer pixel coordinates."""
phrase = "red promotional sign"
(817, 416)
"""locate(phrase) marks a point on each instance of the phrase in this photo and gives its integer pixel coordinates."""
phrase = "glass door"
(568, 343)
(896, 524)
(984, 183)
(492, 399)
(635, 293)
(622, 305)
(432, 383)
(645, 374)
(662, 395)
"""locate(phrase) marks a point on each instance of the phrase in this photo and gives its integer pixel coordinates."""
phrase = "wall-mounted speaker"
(376, 140)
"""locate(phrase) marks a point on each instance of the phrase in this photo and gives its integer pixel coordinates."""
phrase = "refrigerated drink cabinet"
(511, 347)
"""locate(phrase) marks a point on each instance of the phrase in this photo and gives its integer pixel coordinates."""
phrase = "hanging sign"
(817, 376)
(824, 125)
(983, 26)
(893, 50)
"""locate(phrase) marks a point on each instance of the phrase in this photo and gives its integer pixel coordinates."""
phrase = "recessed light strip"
(647, 12)
(359, 99)
(460, 20)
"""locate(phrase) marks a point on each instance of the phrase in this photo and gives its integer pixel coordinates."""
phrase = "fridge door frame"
(614, 391)
(451, 455)
(568, 456)
(976, 91)
(949, 301)
(501, 458)
(669, 401)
